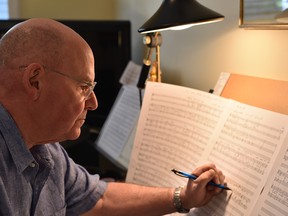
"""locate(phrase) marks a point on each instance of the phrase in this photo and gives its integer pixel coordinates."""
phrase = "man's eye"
(85, 88)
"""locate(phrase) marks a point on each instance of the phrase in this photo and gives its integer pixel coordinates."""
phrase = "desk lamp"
(172, 15)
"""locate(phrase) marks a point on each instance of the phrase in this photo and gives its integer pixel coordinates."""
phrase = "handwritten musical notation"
(183, 128)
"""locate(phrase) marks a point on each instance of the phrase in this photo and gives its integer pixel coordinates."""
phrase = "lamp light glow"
(172, 15)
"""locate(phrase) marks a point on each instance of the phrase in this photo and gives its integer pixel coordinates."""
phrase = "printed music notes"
(181, 128)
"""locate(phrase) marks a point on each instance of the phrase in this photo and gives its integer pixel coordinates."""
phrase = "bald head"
(57, 65)
(44, 41)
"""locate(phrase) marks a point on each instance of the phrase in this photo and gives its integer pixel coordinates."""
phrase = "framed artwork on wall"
(263, 14)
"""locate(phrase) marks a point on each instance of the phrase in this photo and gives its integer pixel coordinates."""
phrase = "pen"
(194, 177)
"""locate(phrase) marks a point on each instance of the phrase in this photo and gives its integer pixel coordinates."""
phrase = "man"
(47, 81)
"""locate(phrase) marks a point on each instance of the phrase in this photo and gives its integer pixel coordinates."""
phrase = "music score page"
(182, 128)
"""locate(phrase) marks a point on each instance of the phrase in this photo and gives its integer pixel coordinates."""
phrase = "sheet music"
(274, 198)
(173, 131)
(131, 74)
(116, 136)
(182, 128)
(246, 148)
(221, 82)
(124, 157)
(116, 132)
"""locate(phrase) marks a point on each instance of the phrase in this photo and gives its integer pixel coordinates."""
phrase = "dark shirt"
(42, 180)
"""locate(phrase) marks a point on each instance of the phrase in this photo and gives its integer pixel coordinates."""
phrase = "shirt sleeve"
(82, 190)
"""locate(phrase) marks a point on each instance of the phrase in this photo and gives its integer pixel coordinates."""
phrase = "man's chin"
(74, 135)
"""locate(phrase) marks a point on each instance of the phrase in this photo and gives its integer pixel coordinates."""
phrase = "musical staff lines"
(182, 128)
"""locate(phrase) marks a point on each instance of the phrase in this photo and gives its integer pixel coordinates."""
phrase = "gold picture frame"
(262, 14)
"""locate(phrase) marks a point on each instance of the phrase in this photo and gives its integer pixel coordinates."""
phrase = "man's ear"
(32, 76)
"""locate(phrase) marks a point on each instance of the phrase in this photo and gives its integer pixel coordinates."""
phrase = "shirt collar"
(21, 155)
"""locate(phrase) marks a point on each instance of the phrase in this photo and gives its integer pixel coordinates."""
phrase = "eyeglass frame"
(90, 85)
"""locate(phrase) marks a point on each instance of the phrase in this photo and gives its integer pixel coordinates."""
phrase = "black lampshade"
(174, 13)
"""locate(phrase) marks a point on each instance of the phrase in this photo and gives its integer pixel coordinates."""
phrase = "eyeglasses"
(87, 87)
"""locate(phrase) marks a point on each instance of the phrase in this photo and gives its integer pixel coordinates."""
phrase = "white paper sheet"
(117, 135)
(182, 128)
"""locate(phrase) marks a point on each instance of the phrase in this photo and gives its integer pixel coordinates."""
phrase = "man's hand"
(198, 192)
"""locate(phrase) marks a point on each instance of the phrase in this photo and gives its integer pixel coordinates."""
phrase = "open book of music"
(182, 128)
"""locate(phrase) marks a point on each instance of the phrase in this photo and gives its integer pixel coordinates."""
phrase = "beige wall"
(67, 9)
(194, 57)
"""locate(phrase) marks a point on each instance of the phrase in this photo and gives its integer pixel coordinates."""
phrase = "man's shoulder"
(57, 153)
(56, 150)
